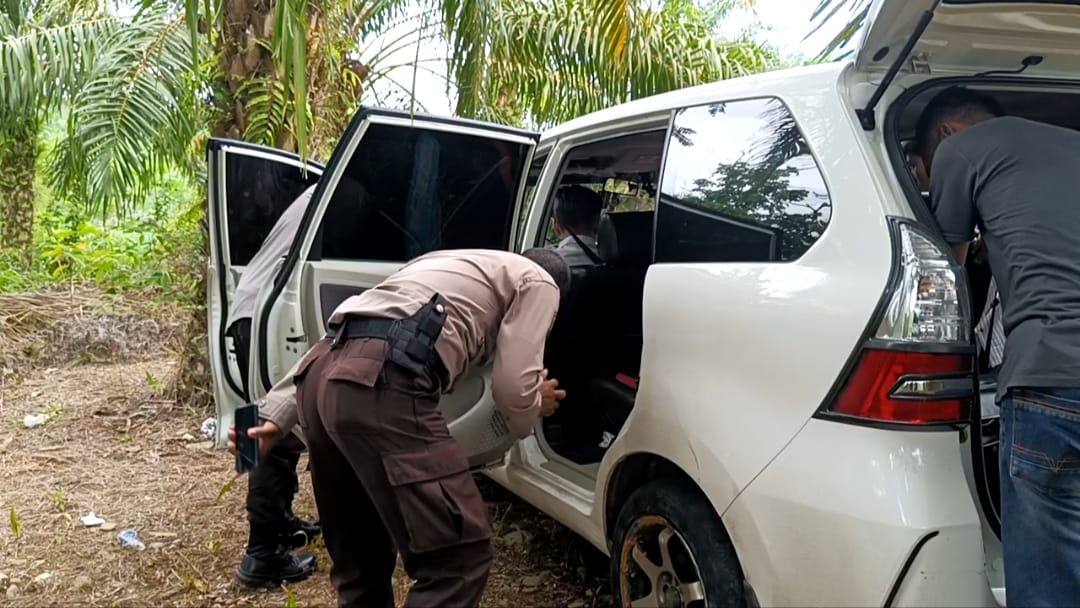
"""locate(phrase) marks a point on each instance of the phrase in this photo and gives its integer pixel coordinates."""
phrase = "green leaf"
(191, 14)
(225, 489)
(16, 525)
(290, 597)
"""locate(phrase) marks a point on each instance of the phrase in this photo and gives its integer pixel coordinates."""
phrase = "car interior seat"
(607, 243)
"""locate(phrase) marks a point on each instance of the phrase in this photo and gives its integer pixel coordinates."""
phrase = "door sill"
(538, 456)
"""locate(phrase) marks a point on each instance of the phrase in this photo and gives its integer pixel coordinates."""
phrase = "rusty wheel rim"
(657, 569)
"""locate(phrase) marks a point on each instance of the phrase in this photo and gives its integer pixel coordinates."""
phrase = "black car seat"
(613, 401)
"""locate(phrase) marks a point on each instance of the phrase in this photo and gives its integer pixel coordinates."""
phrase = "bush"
(156, 250)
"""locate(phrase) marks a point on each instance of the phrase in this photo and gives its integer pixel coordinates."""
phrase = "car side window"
(739, 185)
(258, 192)
(406, 192)
(622, 169)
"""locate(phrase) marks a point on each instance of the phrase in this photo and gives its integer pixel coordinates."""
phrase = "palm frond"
(268, 110)
(471, 27)
(828, 11)
(290, 56)
(561, 60)
(133, 117)
(40, 64)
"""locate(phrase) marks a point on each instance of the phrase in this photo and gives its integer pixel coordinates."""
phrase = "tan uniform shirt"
(499, 304)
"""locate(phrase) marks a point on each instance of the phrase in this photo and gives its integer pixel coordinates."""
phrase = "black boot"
(299, 532)
(266, 569)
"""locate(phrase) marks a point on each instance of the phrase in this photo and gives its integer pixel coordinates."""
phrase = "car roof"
(757, 85)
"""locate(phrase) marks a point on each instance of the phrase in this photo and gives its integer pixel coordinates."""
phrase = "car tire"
(699, 569)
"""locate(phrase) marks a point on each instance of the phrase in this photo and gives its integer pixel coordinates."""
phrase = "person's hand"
(550, 394)
(266, 433)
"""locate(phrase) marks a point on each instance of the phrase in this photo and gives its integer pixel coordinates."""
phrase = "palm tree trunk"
(244, 56)
(18, 155)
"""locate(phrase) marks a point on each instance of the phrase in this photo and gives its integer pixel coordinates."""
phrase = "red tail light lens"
(908, 388)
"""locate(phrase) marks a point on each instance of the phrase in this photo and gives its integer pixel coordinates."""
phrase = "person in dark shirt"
(1018, 182)
(576, 223)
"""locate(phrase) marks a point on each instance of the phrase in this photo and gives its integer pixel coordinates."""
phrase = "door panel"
(248, 188)
(398, 187)
(331, 295)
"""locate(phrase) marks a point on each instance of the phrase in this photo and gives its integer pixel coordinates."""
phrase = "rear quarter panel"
(737, 357)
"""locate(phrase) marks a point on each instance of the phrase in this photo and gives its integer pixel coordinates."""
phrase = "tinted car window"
(739, 185)
(258, 191)
(409, 191)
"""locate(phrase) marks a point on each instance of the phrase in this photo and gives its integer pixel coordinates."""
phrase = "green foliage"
(156, 250)
(553, 61)
(763, 195)
(45, 47)
(132, 119)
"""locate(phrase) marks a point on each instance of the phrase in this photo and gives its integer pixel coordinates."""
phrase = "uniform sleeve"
(279, 405)
(952, 194)
(519, 354)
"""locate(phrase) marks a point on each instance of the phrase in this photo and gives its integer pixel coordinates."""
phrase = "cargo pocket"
(361, 362)
(1046, 443)
(438, 499)
(321, 348)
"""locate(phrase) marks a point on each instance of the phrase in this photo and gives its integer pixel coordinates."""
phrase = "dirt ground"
(113, 445)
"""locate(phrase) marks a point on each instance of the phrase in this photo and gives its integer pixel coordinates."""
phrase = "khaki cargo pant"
(387, 475)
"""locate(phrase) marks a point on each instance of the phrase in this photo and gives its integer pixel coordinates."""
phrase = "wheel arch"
(637, 469)
(632, 472)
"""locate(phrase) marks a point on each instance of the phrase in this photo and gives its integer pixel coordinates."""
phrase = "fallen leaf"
(225, 489)
(16, 525)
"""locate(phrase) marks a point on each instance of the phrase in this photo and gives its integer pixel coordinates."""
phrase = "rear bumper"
(853, 516)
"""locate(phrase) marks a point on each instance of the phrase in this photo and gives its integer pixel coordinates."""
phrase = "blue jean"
(1040, 496)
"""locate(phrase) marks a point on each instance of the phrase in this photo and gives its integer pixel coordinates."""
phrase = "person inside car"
(1017, 180)
(576, 222)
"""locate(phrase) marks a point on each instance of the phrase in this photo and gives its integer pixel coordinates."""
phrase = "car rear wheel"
(670, 550)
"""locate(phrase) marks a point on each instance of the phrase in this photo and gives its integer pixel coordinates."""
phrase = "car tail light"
(925, 306)
(917, 365)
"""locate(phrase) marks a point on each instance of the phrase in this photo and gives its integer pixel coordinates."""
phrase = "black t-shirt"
(1019, 182)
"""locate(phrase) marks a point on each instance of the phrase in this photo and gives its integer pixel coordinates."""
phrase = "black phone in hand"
(247, 449)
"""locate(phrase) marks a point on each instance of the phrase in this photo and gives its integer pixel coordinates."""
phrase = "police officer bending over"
(385, 470)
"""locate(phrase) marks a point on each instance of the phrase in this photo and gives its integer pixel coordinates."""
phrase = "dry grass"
(113, 445)
(81, 325)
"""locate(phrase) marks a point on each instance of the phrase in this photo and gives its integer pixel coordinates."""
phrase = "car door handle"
(299, 338)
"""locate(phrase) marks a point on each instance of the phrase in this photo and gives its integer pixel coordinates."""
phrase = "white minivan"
(781, 335)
